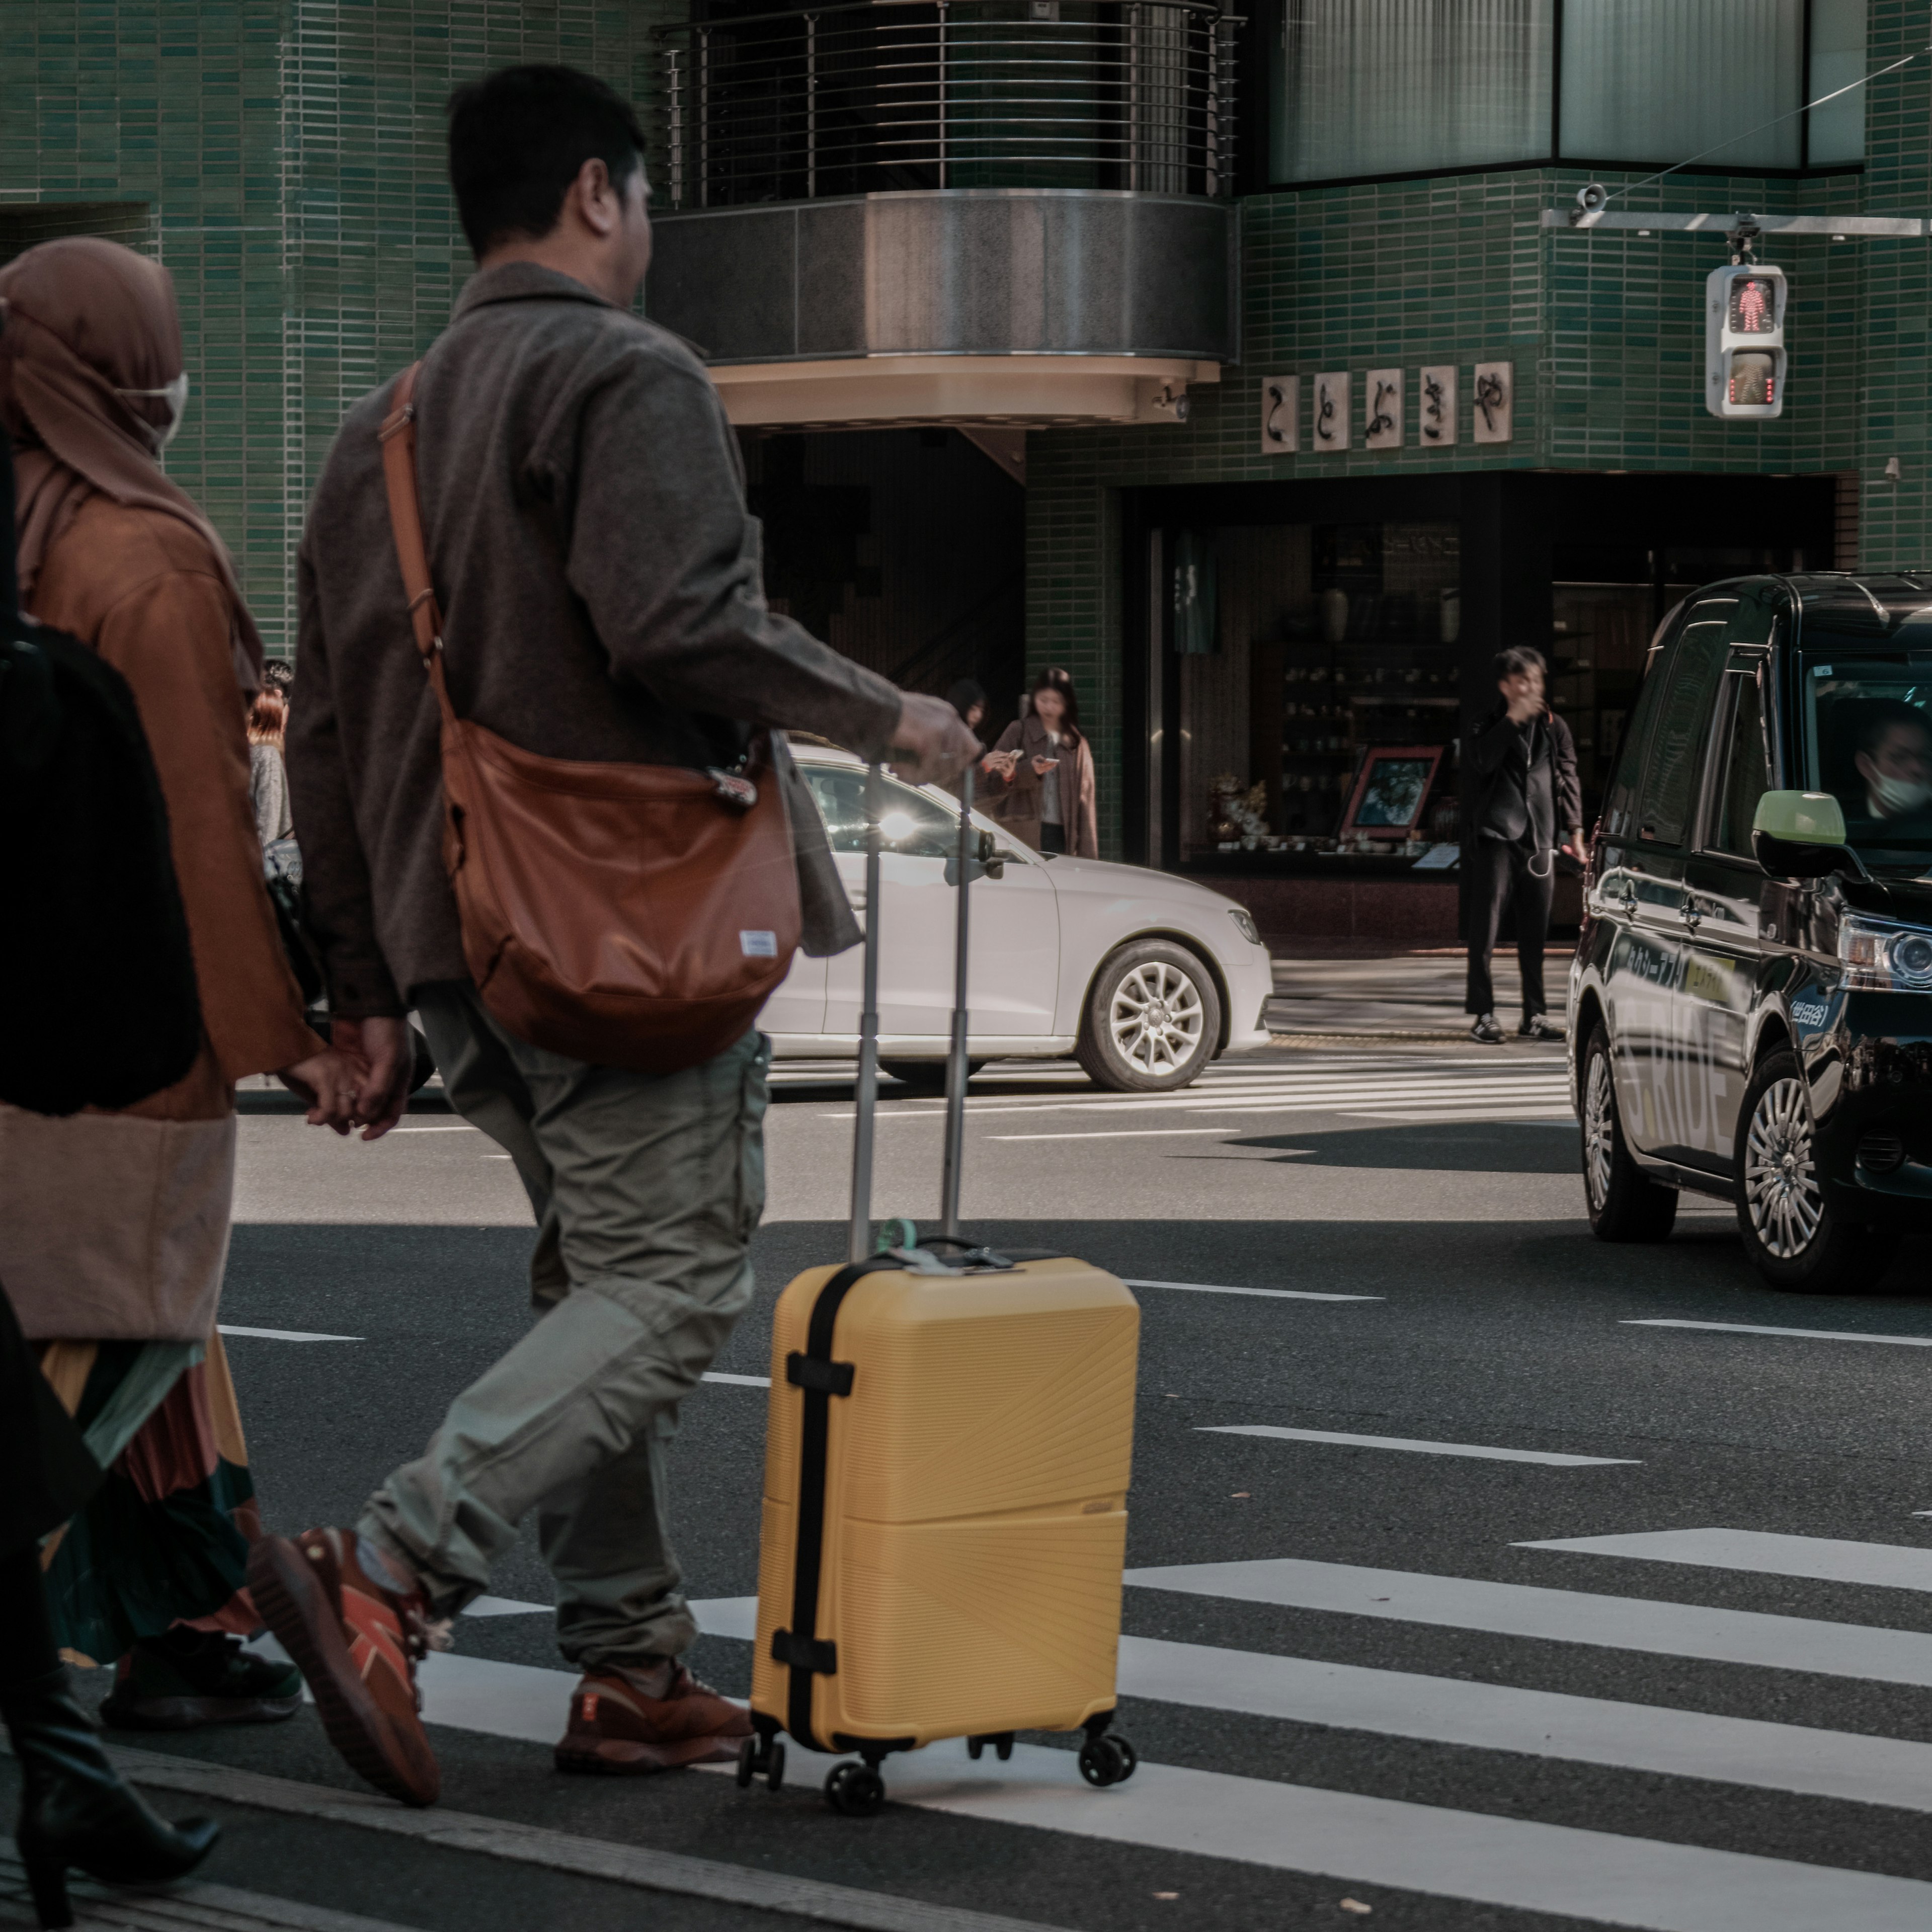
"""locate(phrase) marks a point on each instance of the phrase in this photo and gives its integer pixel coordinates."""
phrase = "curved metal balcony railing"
(895, 94)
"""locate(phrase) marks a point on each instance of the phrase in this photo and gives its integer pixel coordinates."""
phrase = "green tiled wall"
(284, 159)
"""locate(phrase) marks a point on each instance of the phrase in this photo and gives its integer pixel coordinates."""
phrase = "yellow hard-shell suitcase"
(946, 1465)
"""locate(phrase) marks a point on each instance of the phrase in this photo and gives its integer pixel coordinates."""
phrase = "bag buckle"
(733, 787)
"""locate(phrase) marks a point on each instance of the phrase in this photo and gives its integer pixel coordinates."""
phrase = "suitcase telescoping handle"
(860, 1244)
(956, 1069)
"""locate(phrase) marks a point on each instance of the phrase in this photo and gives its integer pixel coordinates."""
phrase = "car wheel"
(1152, 1019)
(1792, 1233)
(1625, 1204)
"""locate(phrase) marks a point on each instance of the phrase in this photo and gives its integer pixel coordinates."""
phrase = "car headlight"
(1884, 958)
(1244, 924)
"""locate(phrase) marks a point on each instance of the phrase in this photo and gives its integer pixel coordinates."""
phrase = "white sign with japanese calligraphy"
(1382, 408)
(1281, 414)
(1493, 403)
(1435, 406)
(1330, 429)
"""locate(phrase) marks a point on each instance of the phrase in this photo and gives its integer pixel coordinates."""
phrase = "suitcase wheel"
(855, 1790)
(1002, 1742)
(761, 1756)
(1108, 1760)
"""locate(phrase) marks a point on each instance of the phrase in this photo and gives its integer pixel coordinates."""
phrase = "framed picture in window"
(1391, 790)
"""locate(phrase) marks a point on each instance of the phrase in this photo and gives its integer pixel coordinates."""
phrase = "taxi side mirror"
(1801, 834)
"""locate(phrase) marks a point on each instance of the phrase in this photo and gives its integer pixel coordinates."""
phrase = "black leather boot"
(75, 1812)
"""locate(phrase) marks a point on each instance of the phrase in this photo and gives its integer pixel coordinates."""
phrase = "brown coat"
(115, 1225)
(1017, 800)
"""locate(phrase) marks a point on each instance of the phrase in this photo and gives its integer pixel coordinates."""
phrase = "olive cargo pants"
(646, 1190)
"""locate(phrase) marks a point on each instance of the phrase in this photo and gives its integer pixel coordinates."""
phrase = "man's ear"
(599, 205)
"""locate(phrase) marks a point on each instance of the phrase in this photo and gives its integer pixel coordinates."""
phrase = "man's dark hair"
(1885, 716)
(519, 137)
(1518, 661)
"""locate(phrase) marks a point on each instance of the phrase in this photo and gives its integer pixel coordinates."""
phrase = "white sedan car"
(1144, 978)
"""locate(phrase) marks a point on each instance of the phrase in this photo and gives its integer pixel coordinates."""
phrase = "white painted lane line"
(1424, 1449)
(1115, 1134)
(1272, 1294)
(1311, 1096)
(1551, 1113)
(1892, 1566)
(284, 1334)
(1495, 1716)
(1564, 1616)
(1803, 1334)
(738, 1381)
(505, 1606)
(1428, 1849)
(450, 1127)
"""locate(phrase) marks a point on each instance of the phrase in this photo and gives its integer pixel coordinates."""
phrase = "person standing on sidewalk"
(587, 535)
(1522, 762)
(1039, 776)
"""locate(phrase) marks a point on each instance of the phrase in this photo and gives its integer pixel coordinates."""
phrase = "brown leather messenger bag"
(628, 915)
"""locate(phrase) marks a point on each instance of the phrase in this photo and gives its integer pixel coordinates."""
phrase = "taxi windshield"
(1868, 742)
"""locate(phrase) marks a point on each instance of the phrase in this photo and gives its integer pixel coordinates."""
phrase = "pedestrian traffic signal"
(1744, 341)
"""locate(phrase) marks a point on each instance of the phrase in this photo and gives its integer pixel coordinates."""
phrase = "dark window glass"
(1677, 740)
(1746, 769)
(1868, 742)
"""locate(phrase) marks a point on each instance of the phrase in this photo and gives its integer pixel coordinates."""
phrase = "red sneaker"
(358, 1640)
(618, 1728)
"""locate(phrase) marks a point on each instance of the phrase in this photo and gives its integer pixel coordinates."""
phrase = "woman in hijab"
(114, 1225)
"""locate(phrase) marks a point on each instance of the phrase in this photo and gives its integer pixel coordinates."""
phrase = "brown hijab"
(82, 322)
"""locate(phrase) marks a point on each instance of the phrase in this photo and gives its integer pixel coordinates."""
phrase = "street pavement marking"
(1564, 1616)
(1803, 1334)
(1336, 1834)
(284, 1334)
(1113, 1134)
(638, 1866)
(449, 1127)
(1432, 1449)
(1272, 1294)
(1438, 1851)
(738, 1381)
(184, 1905)
(505, 1606)
(1829, 1559)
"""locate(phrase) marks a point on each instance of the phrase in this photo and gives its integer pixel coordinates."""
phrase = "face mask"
(1895, 797)
(174, 395)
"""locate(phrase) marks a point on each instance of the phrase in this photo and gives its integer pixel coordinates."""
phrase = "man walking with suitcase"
(588, 541)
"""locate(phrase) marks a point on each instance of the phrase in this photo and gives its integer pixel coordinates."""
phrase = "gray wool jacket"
(600, 581)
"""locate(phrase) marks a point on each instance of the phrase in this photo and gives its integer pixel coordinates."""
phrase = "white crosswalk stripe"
(1491, 1858)
(1378, 1086)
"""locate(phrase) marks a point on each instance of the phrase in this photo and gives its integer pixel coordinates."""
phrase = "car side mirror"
(983, 865)
(1801, 834)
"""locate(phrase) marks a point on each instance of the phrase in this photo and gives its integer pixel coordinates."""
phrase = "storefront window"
(1323, 717)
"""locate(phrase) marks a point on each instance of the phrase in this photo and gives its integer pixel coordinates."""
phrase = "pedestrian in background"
(590, 550)
(1522, 763)
(114, 1225)
(1041, 772)
(268, 778)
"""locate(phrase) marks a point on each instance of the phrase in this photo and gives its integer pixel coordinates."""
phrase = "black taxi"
(1751, 999)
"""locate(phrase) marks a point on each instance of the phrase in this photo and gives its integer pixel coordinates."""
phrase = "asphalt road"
(1353, 1679)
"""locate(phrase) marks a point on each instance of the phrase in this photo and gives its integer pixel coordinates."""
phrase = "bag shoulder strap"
(398, 438)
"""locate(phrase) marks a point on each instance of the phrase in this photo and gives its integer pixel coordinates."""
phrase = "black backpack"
(98, 1006)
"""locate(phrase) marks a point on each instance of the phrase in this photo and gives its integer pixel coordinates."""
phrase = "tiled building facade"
(284, 158)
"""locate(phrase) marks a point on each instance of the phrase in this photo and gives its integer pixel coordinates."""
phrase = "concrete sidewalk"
(1417, 995)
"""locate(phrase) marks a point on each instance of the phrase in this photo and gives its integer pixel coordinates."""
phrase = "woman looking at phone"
(1042, 771)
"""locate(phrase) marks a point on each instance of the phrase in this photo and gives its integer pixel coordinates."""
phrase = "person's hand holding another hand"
(932, 744)
(328, 1081)
(381, 1047)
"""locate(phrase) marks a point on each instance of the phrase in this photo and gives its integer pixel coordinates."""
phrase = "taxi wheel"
(1625, 1204)
(1152, 1019)
(1797, 1239)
